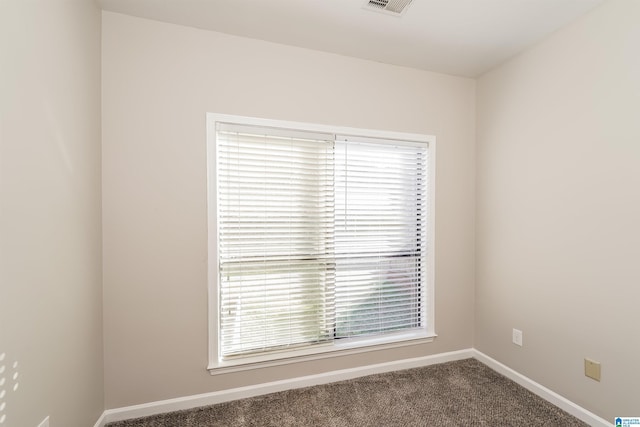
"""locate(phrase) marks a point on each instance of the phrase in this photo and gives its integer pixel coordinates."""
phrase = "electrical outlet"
(44, 423)
(517, 337)
(592, 369)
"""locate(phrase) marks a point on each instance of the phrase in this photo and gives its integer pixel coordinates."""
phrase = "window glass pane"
(274, 305)
(380, 191)
(275, 203)
(319, 238)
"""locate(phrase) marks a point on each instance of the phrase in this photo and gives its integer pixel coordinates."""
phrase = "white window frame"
(340, 347)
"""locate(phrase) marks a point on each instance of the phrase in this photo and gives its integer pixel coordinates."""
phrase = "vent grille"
(392, 7)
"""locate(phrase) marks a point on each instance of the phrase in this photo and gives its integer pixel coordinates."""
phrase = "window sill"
(355, 346)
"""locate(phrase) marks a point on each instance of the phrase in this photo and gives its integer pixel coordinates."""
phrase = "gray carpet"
(461, 393)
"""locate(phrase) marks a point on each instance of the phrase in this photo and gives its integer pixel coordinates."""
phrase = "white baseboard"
(540, 390)
(213, 398)
(101, 421)
(188, 402)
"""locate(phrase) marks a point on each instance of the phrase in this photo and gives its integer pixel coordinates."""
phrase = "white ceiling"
(460, 37)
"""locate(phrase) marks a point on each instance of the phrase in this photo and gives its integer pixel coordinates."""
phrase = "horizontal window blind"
(275, 213)
(380, 236)
(320, 238)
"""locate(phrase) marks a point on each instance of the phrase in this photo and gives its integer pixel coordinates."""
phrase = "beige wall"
(558, 203)
(557, 185)
(50, 220)
(159, 80)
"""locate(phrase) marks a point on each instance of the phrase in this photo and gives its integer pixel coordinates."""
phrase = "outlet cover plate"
(517, 337)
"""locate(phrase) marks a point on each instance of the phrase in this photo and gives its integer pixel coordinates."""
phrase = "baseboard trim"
(188, 402)
(101, 421)
(540, 390)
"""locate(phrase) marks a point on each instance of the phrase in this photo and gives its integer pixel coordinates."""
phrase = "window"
(320, 240)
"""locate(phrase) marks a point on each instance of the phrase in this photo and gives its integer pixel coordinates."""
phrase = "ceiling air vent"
(392, 7)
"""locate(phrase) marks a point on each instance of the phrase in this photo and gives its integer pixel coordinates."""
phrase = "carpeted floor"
(461, 393)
